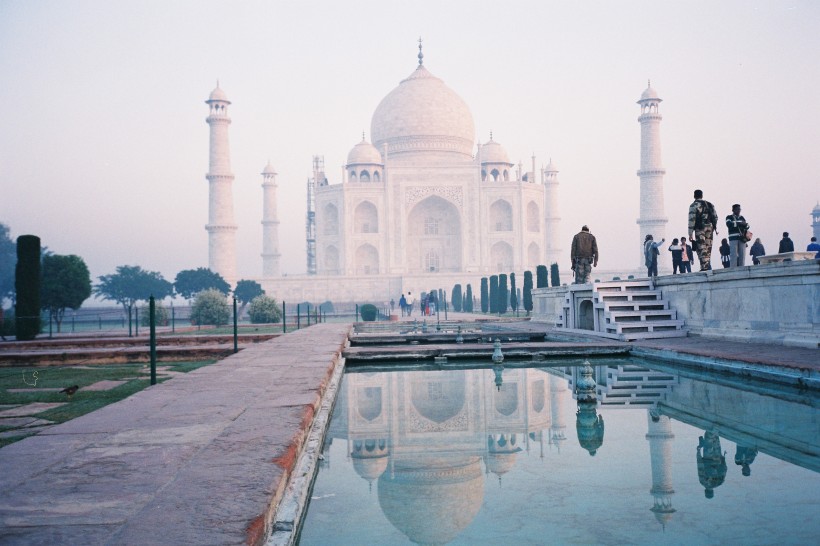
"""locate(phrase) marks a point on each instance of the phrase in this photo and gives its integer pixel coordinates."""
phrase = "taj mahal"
(422, 205)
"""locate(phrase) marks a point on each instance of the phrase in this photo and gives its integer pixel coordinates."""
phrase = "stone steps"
(634, 310)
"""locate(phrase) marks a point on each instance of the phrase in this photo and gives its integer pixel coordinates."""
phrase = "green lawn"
(84, 401)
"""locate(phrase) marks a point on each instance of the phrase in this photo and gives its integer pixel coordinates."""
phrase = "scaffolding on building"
(310, 222)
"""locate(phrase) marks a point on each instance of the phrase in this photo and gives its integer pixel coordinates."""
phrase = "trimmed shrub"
(467, 303)
(527, 292)
(27, 286)
(541, 277)
(485, 295)
(327, 307)
(555, 278)
(264, 310)
(503, 294)
(211, 307)
(368, 312)
(513, 293)
(493, 293)
(161, 315)
(456, 298)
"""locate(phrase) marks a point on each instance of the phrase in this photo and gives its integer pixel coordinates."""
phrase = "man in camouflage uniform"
(702, 228)
(584, 255)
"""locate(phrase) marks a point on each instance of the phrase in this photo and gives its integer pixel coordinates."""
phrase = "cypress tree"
(27, 285)
(554, 277)
(468, 299)
(528, 292)
(493, 293)
(485, 295)
(513, 293)
(541, 277)
(503, 294)
(456, 297)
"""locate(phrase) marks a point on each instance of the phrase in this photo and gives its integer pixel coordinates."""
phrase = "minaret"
(660, 439)
(652, 219)
(558, 397)
(552, 222)
(815, 221)
(221, 227)
(270, 224)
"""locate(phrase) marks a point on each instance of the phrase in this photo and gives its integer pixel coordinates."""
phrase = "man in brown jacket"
(584, 255)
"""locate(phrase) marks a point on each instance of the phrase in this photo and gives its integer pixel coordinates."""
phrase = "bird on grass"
(71, 390)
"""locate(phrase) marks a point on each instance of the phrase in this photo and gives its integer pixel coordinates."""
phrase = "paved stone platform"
(201, 459)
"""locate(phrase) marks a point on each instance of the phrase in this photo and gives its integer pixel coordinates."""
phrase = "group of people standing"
(406, 304)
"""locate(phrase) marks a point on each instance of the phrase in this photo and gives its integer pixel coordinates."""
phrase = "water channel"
(496, 456)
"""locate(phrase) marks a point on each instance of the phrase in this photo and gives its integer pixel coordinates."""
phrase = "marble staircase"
(634, 309)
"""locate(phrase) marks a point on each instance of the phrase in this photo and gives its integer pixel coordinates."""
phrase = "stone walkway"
(201, 459)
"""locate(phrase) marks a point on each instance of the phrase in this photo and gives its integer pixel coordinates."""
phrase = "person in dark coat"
(757, 251)
(724, 252)
(686, 256)
(786, 244)
(676, 251)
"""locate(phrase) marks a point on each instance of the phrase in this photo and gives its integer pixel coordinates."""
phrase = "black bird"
(70, 390)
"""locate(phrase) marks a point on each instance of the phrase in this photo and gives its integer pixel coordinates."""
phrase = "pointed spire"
(421, 55)
(649, 83)
(491, 135)
(363, 136)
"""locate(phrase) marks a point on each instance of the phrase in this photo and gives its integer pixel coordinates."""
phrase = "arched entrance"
(433, 237)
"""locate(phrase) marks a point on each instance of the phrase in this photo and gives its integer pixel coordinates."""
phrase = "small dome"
(493, 152)
(269, 169)
(650, 94)
(364, 153)
(218, 94)
(370, 468)
(816, 209)
(551, 168)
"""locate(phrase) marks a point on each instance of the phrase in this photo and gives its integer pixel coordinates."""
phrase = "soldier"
(584, 255)
(702, 227)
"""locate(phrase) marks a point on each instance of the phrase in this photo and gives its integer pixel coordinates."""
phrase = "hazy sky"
(104, 145)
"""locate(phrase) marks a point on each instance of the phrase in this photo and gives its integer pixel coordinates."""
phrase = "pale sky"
(104, 145)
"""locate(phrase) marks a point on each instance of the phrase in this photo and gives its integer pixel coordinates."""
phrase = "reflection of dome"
(423, 115)
(433, 505)
(501, 463)
(493, 152)
(364, 153)
(370, 468)
(218, 94)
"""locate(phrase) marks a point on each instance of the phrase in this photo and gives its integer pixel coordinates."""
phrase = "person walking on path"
(702, 228)
(724, 253)
(686, 257)
(403, 305)
(738, 227)
(757, 251)
(786, 244)
(584, 255)
(677, 264)
(410, 301)
(650, 254)
(813, 247)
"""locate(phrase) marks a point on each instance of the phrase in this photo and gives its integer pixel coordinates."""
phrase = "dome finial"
(491, 135)
(421, 55)
(649, 83)
(363, 136)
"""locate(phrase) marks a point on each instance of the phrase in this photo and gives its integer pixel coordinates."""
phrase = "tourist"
(702, 228)
(786, 244)
(686, 257)
(757, 251)
(676, 251)
(814, 247)
(725, 252)
(738, 227)
(745, 456)
(711, 461)
(392, 305)
(584, 255)
(403, 304)
(410, 301)
(650, 254)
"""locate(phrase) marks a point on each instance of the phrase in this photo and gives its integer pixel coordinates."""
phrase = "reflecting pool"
(496, 456)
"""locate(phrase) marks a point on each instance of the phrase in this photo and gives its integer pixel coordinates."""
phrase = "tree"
(513, 293)
(190, 281)
(528, 292)
(161, 315)
(485, 295)
(368, 312)
(66, 284)
(264, 310)
(456, 298)
(503, 294)
(467, 303)
(8, 260)
(27, 287)
(541, 277)
(493, 293)
(246, 291)
(131, 284)
(554, 277)
(211, 307)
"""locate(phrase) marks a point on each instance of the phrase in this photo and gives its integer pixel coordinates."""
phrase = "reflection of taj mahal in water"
(428, 441)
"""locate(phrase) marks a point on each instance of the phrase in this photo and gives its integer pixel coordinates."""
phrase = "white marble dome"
(493, 152)
(364, 153)
(650, 94)
(218, 94)
(422, 114)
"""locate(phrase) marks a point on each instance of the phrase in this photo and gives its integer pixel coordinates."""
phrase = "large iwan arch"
(366, 218)
(433, 236)
(501, 216)
(367, 260)
(533, 218)
(501, 257)
(330, 220)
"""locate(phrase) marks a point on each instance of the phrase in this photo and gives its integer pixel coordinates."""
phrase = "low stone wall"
(776, 303)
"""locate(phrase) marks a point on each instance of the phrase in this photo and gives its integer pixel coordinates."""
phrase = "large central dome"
(423, 115)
